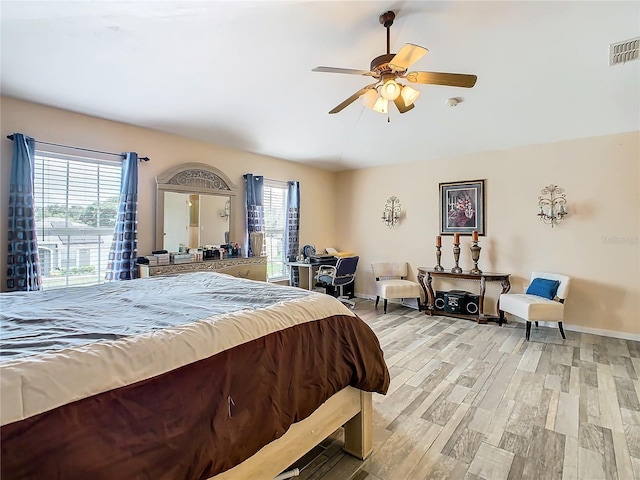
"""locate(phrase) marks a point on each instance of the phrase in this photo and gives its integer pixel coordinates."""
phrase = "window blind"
(76, 208)
(275, 224)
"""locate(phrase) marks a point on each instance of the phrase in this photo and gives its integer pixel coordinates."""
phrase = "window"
(76, 208)
(275, 227)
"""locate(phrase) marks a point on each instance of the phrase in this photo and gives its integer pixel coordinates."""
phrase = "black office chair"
(334, 279)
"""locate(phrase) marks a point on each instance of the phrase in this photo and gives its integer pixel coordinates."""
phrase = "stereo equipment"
(460, 301)
(473, 304)
(454, 301)
(439, 301)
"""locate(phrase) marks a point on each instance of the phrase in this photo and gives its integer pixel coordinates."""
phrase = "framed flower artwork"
(462, 207)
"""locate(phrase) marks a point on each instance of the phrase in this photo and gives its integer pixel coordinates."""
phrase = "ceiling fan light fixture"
(409, 95)
(390, 90)
(381, 105)
(369, 97)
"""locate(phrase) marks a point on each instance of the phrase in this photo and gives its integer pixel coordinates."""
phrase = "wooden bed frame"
(349, 407)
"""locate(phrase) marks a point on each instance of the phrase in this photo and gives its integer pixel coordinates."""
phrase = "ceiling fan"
(389, 68)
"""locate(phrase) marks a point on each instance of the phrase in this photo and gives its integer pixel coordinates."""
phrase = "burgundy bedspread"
(202, 418)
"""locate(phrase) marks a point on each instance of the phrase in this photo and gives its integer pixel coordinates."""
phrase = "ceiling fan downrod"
(386, 19)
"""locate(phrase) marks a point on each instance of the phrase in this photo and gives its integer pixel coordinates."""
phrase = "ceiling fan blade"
(351, 99)
(436, 78)
(407, 56)
(349, 71)
(402, 108)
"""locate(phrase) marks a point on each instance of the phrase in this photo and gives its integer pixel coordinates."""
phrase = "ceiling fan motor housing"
(380, 64)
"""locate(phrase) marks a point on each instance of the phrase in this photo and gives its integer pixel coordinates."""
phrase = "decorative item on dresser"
(251, 268)
(256, 240)
(435, 307)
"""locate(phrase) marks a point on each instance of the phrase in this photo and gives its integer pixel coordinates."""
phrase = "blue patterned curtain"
(254, 194)
(292, 240)
(23, 264)
(122, 256)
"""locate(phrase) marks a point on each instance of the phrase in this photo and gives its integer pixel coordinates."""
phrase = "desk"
(483, 278)
(308, 266)
(348, 290)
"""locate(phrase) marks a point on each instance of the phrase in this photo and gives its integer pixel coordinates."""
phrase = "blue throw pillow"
(543, 287)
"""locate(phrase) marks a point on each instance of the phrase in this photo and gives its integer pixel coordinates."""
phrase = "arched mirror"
(194, 206)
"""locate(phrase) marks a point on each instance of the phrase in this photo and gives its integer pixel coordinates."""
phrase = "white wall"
(597, 244)
(165, 151)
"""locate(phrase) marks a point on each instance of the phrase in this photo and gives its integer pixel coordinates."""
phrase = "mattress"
(169, 377)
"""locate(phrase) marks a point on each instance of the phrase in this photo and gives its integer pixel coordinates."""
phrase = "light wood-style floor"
(474, 402)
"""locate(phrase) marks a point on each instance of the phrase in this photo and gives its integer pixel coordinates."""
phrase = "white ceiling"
(238, 73)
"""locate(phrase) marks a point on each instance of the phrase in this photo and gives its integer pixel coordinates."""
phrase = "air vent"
(623, 52)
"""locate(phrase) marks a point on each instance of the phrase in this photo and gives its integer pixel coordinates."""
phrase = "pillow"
(543, 287)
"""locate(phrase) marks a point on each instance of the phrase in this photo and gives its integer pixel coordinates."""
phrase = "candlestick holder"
(475, 256)
(456, 258)
(438, 267)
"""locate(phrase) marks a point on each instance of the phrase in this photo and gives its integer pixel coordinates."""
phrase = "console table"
(483, 278)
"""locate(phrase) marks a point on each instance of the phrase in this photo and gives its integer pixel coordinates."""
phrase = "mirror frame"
(193, 178)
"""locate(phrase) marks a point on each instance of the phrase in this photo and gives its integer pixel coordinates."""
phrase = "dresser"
(252, 268)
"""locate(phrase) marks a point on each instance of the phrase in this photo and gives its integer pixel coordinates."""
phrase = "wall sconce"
(391, 214)
(552, 205)
(227, 210)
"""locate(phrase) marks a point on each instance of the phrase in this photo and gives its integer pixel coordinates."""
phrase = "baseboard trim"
(366, 297)
(397, 301)
(592, 331)
(572, 328)
(598, 331)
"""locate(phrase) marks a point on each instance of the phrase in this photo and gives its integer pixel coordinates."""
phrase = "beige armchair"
(540, 303)
(391, 282)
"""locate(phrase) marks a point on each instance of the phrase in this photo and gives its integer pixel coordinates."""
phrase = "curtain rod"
(270, 179)
(143, 159)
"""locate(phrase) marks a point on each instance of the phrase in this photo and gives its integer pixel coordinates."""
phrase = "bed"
(192, 376)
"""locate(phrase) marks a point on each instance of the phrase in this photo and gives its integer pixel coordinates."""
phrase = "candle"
(456, 238)
(474, 235)
(438, 241)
